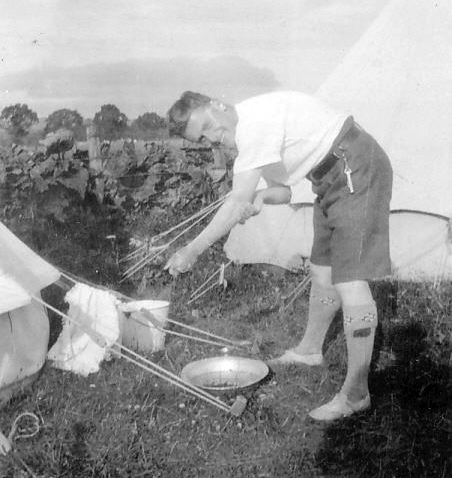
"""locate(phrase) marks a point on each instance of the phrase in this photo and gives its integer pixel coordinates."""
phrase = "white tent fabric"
(421, 246)
(280, 235)
(25, 269)
(397, 83)
(24, 325)
(13, 295)
(24, 338)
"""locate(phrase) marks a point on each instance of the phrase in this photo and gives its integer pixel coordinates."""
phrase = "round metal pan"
(224, 373)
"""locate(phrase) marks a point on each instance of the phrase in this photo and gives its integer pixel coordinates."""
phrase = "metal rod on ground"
(122, 347)
(136, 251)
(208, 208)
(209, 334)
(139, 251)
(204, 212)
(153, 368)
(193, 391)
(186, 326)
(173, 378)
(145, 243)
(202, 293)
(235, 409)
(176, 380)
(195, 292)
(297, 287)
(171, 321)
(297, 291)
(140, 264)
(209, 279)
(199, 339)
(159, 236)
(152, 255)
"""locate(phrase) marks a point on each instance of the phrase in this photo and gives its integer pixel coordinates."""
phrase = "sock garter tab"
(325, 295)
(360, 316)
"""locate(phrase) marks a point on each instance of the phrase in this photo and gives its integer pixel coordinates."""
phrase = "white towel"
(87, 339)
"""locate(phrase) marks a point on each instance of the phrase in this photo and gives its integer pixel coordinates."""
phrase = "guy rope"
(142, 362)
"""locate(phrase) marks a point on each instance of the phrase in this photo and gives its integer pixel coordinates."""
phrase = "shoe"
(339, 407)
(292, 357)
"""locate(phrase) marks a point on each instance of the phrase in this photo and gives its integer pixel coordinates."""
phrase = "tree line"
(109, 124)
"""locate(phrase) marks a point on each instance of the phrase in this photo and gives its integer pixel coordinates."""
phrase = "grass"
(123, 422)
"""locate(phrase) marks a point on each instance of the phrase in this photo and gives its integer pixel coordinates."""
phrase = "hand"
(181, 261)
(248, 211)
(259, 200)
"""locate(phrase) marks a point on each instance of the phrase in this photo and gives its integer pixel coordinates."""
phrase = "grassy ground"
(123, 422)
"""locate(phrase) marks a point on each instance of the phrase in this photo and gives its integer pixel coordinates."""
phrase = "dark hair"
(179, 114)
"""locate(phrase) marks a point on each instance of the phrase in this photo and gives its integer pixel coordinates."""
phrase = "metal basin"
(224, 373)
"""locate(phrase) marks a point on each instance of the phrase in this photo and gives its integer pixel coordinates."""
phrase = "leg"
(359, 250)
(360, 321)
(324, 302)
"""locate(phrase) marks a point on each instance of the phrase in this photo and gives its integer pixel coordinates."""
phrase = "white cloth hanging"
(95, 327)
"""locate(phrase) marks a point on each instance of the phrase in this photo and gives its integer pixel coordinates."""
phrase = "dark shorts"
(351, 231)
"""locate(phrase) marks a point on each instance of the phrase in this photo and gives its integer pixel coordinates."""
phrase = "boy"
(284, 137)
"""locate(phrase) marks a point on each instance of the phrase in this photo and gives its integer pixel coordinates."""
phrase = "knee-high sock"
(324, 302)
(360, 322)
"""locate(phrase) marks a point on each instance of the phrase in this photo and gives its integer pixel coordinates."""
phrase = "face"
(212, 124)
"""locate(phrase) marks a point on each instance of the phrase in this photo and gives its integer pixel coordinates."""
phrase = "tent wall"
(22, 265)
(397, 83)
(421, 247)
(24, 339)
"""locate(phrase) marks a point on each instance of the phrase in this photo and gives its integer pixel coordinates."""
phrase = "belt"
(341, 143)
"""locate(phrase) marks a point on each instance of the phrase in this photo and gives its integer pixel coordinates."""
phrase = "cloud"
(140, 55)
(136, 86)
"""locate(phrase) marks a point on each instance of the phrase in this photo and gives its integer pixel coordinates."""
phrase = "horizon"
(141, 58)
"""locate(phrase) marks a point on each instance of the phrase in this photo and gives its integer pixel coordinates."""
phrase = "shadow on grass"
(408, 430)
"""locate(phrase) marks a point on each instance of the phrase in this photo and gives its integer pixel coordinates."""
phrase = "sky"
(142, 54)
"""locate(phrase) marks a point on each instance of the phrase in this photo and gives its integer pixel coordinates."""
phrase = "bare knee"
(354, 292)
(321, 276)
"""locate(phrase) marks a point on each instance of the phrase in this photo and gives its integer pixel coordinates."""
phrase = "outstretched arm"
(237, 206)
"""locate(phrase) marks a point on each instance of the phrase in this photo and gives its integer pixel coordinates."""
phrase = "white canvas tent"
(397, 83)
(24, 325)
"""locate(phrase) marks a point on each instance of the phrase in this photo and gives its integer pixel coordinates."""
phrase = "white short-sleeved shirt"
(286, 133)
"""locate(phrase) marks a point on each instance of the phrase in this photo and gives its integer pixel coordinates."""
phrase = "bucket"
(141, 323)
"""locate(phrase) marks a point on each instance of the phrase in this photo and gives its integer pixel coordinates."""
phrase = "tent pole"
(150, 366)
(234, 343)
